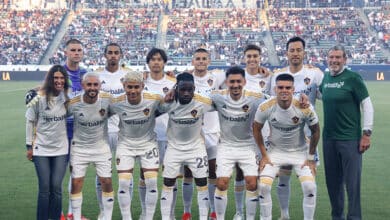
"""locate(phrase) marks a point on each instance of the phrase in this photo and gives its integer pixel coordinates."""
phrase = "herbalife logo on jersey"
(335, 85)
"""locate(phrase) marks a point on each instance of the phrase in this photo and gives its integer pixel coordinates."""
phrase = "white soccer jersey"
(90, 124)
(50, 136)
(257, 83)
(287, 125)
(111, 83)
(236, 117)
(306, 81)
(160, 87)
(204, 86)
(136, 122)
(185, 122)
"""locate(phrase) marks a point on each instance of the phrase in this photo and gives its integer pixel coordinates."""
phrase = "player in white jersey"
(90, 143)
(110, 77)
(307, 80)
(47, 142)
(205, 82)
(185, 144)
(136, 110)
(160, 83)
(287, 145)
(236, 108)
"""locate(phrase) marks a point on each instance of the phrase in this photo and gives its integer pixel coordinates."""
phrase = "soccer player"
(257, 77)
(205, 82)
(236, 108)
(307, 80)
(287, 145)
(345, 138)
(90, 143)
(110, 77)
(185, 144)
(46, 141)
(157, 82)
(136, 110)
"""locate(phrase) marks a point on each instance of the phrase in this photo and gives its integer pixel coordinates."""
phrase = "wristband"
(310, 157)
(28, 146)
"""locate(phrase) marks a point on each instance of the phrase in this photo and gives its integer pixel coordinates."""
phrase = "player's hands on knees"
(264, 161)
(304, 101)
(29, 154)
(365, 142)
(312, 165)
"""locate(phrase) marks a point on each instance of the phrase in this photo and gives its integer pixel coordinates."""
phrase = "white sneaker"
(238, 216)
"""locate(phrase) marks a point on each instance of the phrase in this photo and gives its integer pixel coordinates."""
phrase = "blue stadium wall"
(368, 72)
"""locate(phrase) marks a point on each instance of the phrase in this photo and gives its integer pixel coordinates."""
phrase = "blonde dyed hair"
(133, 76)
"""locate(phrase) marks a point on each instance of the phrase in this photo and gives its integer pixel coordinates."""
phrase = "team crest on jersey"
(307, 80)
(245, 108)
(124, 114)
(102, 112)
(165, 89)
(261, 83)
(210, 82)
(194, 113)
(103, 82)
(146, 111)
(273, 120)
(295, 119)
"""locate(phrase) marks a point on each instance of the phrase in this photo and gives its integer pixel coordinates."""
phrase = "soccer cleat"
(186, 216)
(213, 216)
(238, 216)
(69, 216)
(62, 217)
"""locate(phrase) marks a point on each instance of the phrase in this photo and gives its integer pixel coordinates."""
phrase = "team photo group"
(202, 126)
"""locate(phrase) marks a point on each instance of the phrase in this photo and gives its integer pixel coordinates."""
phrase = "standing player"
(160, 83)
(236, 108)
(89, 143)
(137, 140)
(205, 82)
(258, 78)
(110, 78)
(287, 145)
(307, 80)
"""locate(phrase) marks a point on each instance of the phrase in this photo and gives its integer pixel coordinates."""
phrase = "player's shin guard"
(124, 198)
(309, 189)
(108, 204)
(212, 184)
(239, 189)
(251, 204)
(166, 202)
(188, 189)
(283, 191)
(142, 195)
(265, 198)
(99, 193)
(151, 193)
(203, 202)
(76, 201)
(220, 201)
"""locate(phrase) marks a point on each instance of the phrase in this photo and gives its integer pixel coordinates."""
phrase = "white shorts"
(227, 157)
(162, 147)
(148, 156)
(211, 142)
(113, 141)
(196, 159)
(80, 162)
(278, 159)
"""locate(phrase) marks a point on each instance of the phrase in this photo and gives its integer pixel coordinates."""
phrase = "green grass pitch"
(18, 181)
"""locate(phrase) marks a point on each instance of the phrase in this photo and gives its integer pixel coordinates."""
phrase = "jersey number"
(152, 153)
(202, 162)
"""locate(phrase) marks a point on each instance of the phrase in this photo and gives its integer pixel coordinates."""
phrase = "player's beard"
(92, 93)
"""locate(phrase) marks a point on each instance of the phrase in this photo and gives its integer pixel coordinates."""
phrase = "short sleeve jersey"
(136, 122)
(185, 122)
(90, 124)
(286, 125)
(306, 81)
(111, 83)
(341, 97)
(257, 83)
(50, 135)
(160, 87)
(236, 117)
(213, 80)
